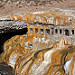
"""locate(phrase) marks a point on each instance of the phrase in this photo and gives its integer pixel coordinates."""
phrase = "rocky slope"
(13, 6)
(59, 59)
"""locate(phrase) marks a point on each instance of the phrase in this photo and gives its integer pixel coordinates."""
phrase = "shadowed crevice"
(10, 33)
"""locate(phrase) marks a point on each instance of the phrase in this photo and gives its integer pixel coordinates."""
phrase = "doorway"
(67, 32)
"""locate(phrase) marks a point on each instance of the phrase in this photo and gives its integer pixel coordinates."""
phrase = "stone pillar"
(63, 32)
(50, 31)
(54, 31)
(70, 32)
(28, 30)
(74, 31)
(38, 32)
(34, 34)
(44, 32)
(58, 31)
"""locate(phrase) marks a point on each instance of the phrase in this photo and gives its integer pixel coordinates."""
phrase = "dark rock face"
(9, 29)
(5, 69)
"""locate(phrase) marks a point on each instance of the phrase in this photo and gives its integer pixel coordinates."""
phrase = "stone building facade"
(49, 34)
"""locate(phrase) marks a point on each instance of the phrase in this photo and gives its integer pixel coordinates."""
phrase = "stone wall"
(51, 33)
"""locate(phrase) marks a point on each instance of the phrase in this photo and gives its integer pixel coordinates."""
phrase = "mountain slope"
(13, 6)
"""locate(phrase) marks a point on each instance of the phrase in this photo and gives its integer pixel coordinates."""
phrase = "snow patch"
(67, 65)
(40, 12)
(47, 55)
(13, 60)
(41, 68)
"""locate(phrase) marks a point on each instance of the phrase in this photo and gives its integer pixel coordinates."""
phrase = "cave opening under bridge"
(8, 34)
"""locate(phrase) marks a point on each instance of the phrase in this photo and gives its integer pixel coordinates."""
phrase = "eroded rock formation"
(58, 59)
(38, 52)
(56, 17)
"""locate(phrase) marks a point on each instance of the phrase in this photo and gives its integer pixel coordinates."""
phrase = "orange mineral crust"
(56, 17)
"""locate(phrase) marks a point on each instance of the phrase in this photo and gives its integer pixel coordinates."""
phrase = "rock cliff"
(58, 59)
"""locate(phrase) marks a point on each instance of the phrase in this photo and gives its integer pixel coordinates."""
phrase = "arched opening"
(36, 30)
(72, 32)
(56, 31)
(47, 31)
(52, 31)
(31, 30)
(67, 32)
(60, 31)
(41, 31)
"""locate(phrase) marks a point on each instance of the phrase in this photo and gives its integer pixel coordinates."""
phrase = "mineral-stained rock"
(40, 62)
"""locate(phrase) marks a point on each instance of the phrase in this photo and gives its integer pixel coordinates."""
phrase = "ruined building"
(46, 27)
(46, 49)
